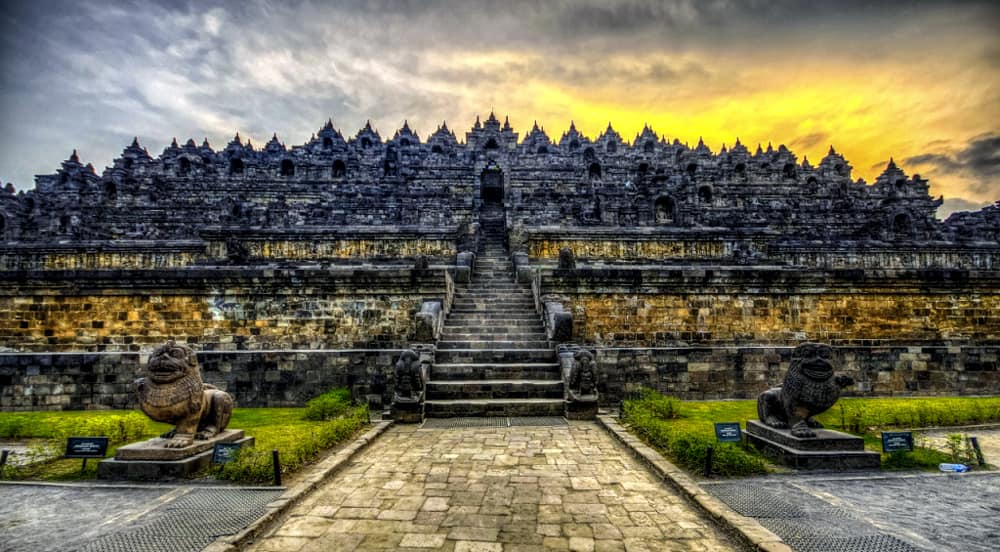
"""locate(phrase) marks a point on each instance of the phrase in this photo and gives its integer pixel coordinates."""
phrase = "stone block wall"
(760, 305)
(704, 373)
(82, 381)
(216, 309)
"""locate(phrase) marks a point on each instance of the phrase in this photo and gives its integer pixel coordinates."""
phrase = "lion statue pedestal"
(174, 393)
(787, 431)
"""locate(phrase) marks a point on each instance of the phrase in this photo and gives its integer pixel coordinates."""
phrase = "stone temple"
(527, 275)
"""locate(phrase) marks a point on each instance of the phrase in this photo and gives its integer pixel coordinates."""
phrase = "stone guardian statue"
(810, 388)
(174, 393)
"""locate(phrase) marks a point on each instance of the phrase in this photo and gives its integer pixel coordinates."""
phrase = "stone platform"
(151, 461)
(829, 450)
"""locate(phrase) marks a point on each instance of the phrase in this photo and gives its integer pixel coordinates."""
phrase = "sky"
(915, 81)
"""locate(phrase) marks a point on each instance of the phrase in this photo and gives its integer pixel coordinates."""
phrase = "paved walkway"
(914, 512)
(521, 488)
(91, 517)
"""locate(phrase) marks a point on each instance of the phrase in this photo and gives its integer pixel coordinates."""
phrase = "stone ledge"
(316, 475)
(749, 530)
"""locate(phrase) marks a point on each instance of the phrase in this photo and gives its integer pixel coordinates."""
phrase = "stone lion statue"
(174, 393)
(810, 388)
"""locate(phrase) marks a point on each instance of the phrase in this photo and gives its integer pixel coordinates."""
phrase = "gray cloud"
(978, 160)
(955, 204)
(809, 140)
(81, 74)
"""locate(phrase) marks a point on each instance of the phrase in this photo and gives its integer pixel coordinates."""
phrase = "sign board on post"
(224, 453)
(728, 432)
(893, 441)
(86, 447)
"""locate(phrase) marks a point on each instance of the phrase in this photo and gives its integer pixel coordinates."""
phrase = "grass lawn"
(683, 430)
(298, 440)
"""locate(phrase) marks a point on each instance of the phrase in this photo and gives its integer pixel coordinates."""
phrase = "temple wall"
(214, 309)
(75, 381)
(621, 250)
(165, 254)
(82, 381)
(741, 317)
(696, 373)
(657, 245)
(644, 307)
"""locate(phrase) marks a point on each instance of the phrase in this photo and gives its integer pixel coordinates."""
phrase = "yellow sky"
(868, 111)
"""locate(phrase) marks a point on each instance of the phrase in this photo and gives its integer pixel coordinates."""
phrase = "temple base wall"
(80, 381)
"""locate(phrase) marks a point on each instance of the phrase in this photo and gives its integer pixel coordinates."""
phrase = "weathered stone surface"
(154, 449)
(827, 450)
(159, 470)
(531, 488)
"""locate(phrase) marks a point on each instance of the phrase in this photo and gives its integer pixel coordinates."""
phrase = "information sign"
(897, 440)
(224, 453)
(728, 432)
(86, 447)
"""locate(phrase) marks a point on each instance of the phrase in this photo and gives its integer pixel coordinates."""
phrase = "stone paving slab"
(524, 488)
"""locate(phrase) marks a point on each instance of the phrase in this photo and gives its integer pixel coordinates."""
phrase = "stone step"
(524, 324)
(481, 317)
(489, 302)
(473, 331)
(464, 356)
(479, 293)
(490, 298)
(496, 370)
(494, 389)
(498, 308)
(493, 407)
(477, 344)
(495, 336)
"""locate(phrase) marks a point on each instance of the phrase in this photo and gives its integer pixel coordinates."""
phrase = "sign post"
(893, 441)
(86, 447)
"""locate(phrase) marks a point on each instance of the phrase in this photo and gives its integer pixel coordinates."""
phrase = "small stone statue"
(810, 388)
(421, 263)
(174, 393)
(583, 379)
(567, 261)
(409, 382)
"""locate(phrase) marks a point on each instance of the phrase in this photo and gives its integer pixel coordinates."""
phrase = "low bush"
(868, 415)
(15, 427)
(296, 445)
(329, 405)
(659, 421)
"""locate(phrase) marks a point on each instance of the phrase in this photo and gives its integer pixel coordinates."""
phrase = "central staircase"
(493, 358)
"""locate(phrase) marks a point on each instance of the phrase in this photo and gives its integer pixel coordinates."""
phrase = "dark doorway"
(491, 186)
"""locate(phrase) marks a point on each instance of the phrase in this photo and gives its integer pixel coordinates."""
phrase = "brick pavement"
(520, 488)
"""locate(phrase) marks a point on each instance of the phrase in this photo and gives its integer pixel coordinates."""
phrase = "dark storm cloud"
(979, 159)
(92, 74)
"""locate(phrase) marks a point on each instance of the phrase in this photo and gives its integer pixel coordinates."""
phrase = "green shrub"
(658, 421)
(298, 447)
(14, 426)
(329, 405)
(920, 458)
